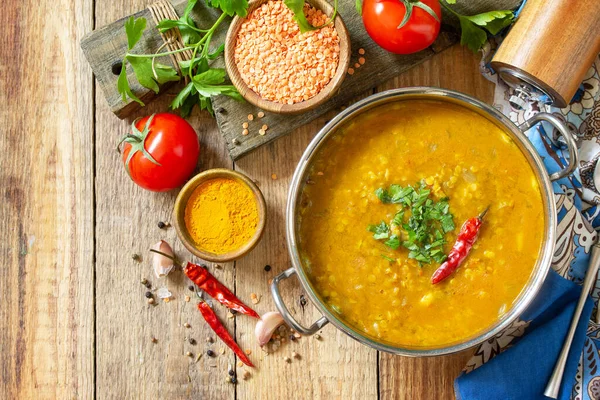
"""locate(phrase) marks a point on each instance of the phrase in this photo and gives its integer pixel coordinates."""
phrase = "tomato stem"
(409, 4)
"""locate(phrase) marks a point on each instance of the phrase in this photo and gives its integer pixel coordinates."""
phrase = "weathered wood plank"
(433, 378)
(335, 367)
(129, 365)
(46, 186)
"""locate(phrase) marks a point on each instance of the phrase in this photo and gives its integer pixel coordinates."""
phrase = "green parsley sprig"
(473, 28)
(423, 220)
(297, 7)
(204, 81)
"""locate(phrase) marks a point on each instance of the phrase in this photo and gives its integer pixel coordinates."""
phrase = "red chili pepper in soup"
(464, 242)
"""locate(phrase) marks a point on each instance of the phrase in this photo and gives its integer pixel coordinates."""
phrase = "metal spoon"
(553, 386)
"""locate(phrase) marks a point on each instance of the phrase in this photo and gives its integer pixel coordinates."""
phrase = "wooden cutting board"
(106, 46)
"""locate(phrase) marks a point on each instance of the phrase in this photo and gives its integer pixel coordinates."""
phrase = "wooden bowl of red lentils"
(279, 69)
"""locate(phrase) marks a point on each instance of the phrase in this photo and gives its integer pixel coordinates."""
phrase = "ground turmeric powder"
(221, 215)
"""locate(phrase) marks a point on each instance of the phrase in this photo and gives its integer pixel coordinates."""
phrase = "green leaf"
(188, 9)
(383, 195)
(182, 96)
(189, 103)
(231, 7)
(471, 35)
(123, 86)
(393, 242)
(297, 7)
(358, 6)
(212, 76)
(390, 259)
(189, 33)
(142, 67)
(380, 231)
(217, 52)
(164, 73)
(493, 21)
(134, 28)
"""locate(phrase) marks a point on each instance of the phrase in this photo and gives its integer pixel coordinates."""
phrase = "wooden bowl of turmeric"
(220, 215)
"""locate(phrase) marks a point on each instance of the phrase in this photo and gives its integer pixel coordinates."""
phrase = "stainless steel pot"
(516, 133)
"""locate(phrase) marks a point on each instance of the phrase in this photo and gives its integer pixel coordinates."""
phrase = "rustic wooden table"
(74, 322)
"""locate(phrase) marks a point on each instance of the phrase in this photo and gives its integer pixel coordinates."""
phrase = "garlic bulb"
(266, 326)
(162, 265)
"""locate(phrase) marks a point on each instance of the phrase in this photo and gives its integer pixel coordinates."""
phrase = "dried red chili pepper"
(211, 318)
(466, 237)
(215, 289)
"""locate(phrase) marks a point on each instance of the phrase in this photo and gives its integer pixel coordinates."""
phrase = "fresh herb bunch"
(424, 221)
(205, 82)
(297, 7)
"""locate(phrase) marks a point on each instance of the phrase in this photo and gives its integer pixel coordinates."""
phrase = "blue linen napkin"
(534, 340)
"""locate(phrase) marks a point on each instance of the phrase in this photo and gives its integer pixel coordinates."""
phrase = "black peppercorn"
(267, 268)
(161, 225)
(210, 353)
(233, 380)
(231, 372)
(148, 284)
(192, 341)
(136, 257)
(191, 288)
(292, 337)
(148, 295)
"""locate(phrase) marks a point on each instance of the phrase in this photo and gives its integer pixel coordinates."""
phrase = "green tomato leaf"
(231, 7)
(134, 28)
(123, 86)
(493, 21)
(471, 35)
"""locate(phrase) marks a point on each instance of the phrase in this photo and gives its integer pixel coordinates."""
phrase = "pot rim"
(545, 256)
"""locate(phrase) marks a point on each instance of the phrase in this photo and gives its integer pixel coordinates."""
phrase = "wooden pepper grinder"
(549, 50)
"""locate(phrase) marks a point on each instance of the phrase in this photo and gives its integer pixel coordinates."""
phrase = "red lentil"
(278, 62)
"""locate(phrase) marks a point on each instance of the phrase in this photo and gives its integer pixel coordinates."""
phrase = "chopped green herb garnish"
(390, 259)
(422, 220)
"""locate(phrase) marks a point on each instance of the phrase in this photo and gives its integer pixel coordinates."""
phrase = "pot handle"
(285, 313)
(568, 137)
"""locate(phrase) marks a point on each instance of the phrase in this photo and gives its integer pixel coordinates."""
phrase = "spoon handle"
(553, 386)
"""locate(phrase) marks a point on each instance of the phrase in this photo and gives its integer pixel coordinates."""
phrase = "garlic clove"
(162, 265)
(266, 326)
(163, 293)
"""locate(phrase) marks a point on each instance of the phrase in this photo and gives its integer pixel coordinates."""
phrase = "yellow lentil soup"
(457, 154)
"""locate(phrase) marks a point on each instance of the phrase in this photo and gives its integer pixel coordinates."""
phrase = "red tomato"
(165, 152)
(382, 18)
